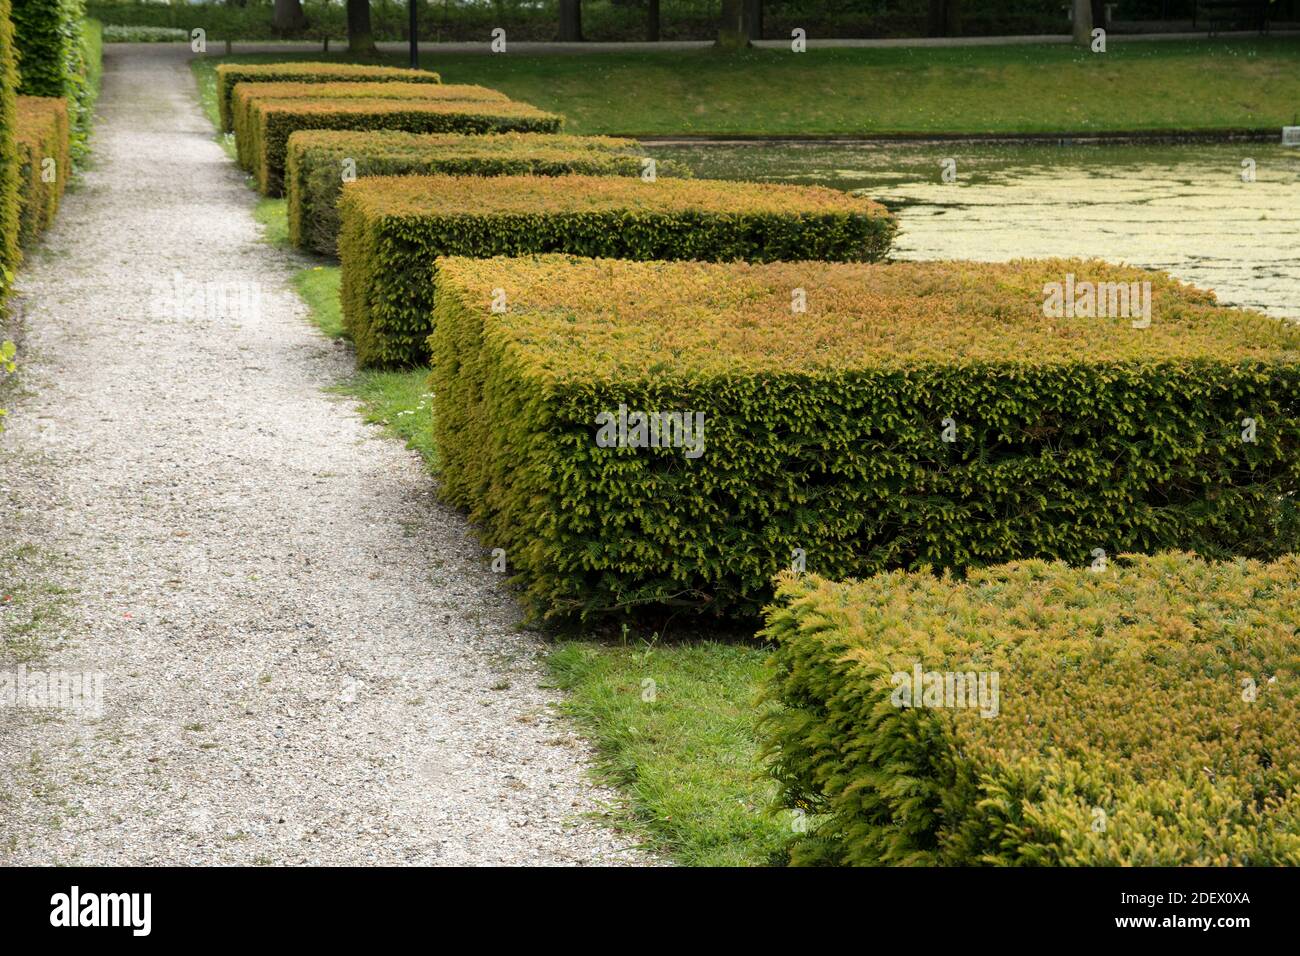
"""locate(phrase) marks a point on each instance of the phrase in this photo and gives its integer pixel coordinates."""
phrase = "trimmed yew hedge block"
(271, 122)
(823, 432)
(247, 93)
(318, 160)
(229, 74)
(43, 133)
(1145, 715)
(395, 227)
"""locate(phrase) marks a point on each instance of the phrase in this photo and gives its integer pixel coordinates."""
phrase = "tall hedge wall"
(394, 228)
(53, 59)
(824, 431)
(1142, 715)
(10, 172)
(318, 160)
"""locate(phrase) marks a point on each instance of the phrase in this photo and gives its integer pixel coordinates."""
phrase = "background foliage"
(625, 19)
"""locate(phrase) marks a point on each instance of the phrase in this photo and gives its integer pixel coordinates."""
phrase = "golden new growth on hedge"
(1038, 714)
(42, 132)
(394, 227)
(913, 414)
(271, 122)
(317, 160)
(229, 74)
(246, 93)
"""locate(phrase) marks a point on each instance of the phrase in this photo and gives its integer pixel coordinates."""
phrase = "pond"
(1180, 208)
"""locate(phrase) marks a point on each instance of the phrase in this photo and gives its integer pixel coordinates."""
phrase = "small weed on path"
(32, 607)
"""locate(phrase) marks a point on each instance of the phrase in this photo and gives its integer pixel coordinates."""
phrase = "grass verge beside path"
(672, 725)
(1136, 86)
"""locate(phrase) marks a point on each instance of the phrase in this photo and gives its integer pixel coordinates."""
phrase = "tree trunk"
(289, 17)
(652, 20)
(1083, 22)
(570, 21)
(754, 19)
(952, 18)
(731, 26)
(938, 18)
(361, 40)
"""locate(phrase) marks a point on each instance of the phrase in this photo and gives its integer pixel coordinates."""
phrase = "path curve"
(306, 658)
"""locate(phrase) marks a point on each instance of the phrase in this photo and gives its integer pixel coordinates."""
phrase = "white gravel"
(306, 657)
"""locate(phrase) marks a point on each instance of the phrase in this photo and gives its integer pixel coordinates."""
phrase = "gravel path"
(306, 658)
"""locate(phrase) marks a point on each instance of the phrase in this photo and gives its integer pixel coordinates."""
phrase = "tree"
(1099, 13)
(361, 39)
(945, 18)
(1083, 22)
(731, 26)
(652, 20)
(570, 21)
(754, 19)
(289, 17)
(953, 19)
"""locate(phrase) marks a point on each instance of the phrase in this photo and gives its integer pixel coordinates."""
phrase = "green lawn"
(673, 727)
(1136, 86)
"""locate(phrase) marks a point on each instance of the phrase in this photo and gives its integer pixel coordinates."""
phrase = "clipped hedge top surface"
(602, 320)
(541, 146)
(1135, 672)
(390, 91)
(541, 195)
(343, 71)
(365, 106)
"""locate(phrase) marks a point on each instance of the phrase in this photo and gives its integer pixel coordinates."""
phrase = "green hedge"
(825, 431)
(271, 122)
(394, 228)
(245, 94)
(230, 74)
(43, 134)
(10, 171)
(318, 159)
(58, 56)
(1144, 715)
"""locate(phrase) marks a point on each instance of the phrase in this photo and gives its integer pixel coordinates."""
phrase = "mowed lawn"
(1147, 86)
